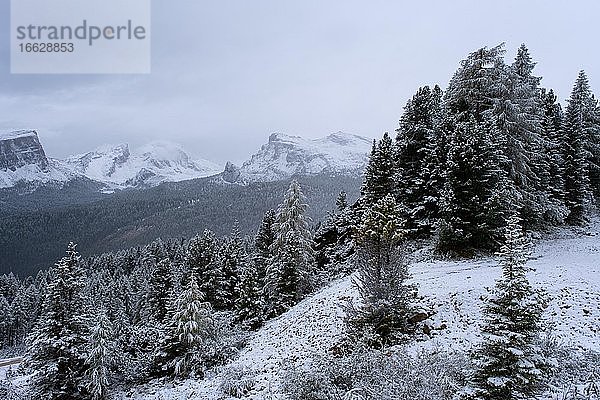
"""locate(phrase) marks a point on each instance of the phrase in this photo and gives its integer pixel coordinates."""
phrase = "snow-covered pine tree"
(249, 307)
(265, 236)
(553, 178)
(200, 259)
(292, 262)
(230, 257)
(189, 325)
(6, 322)
(387, 300)
(578, 159)
(416, 161)
(341, 202)
(380, 172)
(477, 192)
(518, 114)
(334, 240)
(56, 351)
(100, 356)
(470, 93)
(25, 310)
(160, 289)
(509, 366)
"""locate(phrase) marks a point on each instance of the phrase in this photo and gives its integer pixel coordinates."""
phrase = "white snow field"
(566, 265)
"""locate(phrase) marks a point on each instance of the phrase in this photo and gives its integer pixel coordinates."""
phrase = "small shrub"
(237, 382)
(373, 374)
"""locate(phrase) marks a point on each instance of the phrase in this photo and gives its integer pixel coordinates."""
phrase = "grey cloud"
(226, 74)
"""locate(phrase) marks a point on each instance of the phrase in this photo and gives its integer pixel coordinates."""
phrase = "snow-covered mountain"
(149, 165)
(284, 156)
(23, 160)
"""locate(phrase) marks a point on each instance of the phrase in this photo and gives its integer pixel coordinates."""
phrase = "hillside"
(565, 265)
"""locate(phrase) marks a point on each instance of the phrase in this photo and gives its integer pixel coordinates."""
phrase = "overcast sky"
(225, 74)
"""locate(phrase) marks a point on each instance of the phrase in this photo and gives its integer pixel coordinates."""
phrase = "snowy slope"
(284, 156)
(148, 165)
(566, 266)
(55, 174)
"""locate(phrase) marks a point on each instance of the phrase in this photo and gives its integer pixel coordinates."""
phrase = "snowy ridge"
(6, 135)
(285, 155)
(566, 266)
(22, 160)
(56, 174)
(149, 165)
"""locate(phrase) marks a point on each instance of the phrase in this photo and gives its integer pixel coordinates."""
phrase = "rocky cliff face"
(21, 148)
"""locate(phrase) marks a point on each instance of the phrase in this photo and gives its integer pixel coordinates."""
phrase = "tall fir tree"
(190, 324)
(552, 135)
(160, 289)
(471, 91)
(509, 365)
(578, 159)
(100, 356)
(201, 260)
(416, 159)
(249, 306)
(230, 259)
(477, 192)
(380, 173)
(292, 262)
(56, 351)
(518, 115)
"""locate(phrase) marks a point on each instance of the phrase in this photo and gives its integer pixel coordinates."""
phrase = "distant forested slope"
(35, 227)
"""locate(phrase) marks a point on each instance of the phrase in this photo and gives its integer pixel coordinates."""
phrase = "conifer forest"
(461, 262)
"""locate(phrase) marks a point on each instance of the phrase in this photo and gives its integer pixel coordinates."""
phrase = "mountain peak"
(15, 134)
(283, 137)
(286, 155)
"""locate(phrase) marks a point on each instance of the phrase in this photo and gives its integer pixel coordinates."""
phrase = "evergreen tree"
(200, 259)
(266, 235)
(387, 301)
(56, 351)
(99, 357)
(552, 133)
(334, 244)
(578, 127)
(160, 289)
(472, 89)
(508, 363)
(292, 261)
(517, 113)
(416, 159)
(6, 322)
(230, 258)
(476, 193)
(341, 202)
(380, 172)
(189, 326)
(249, 307)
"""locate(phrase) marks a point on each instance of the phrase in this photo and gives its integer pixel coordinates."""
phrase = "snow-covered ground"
(566, 266)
